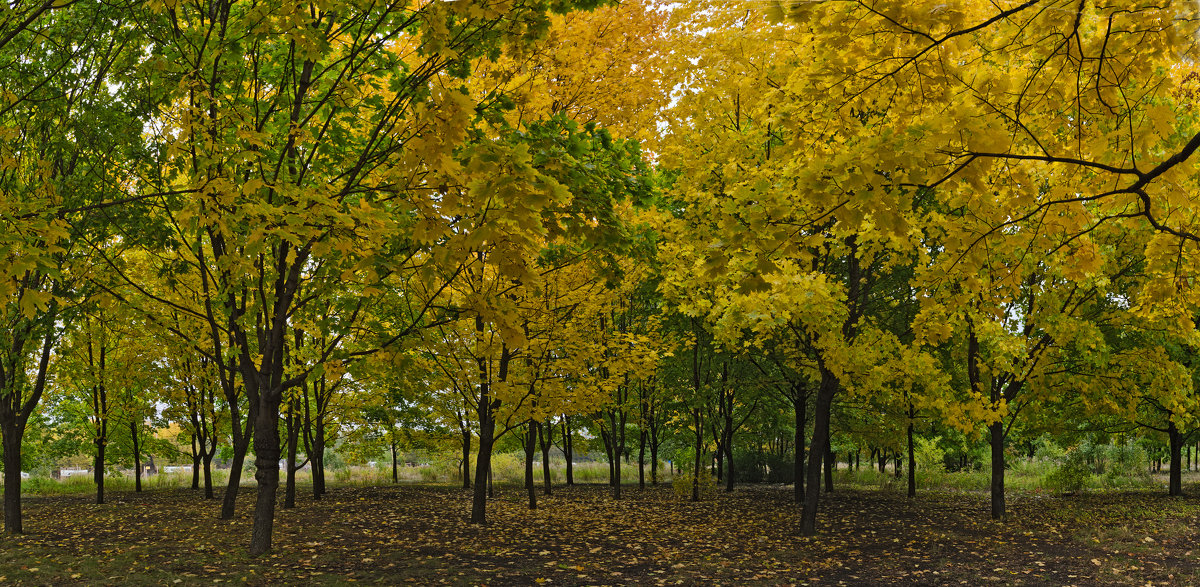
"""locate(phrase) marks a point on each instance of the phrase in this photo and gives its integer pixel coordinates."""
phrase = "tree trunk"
(266, 453)
(719, 459)
(829, 464)
(730, 473)
(242, 435)
(912, 459)
(696, 419)
(235, 475)
(137, 458)
(293, 435)
(546, 439)
(12, 481)
(618, 437)
(195, 463)
(483, 461)
(395, 463)
(642, 459)
(568, 450)
(997, 486)
(98, 463)
(653, 454)
(1175, 487)
(485, 410)
(606, 438)
(531, 431)
(799, 409)
(727, 430)
(820, 442)
(466, 458)
(208, 484)
(317, 458)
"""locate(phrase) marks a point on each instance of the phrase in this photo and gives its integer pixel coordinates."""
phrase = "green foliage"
(780, 468)
(684, 483)
(929, 455)
(1072, 473)
(1126, 465)
(750, 467)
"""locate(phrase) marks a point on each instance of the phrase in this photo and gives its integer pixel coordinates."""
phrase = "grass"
(507, 468)
(1025, 475)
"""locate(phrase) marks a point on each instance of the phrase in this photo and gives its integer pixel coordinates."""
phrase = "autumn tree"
(294, 194)
(68, 127)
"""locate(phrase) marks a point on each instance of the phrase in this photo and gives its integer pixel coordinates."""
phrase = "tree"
(293, 193)
(65, 139)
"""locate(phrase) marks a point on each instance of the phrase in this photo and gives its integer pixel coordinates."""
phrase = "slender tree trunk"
(912, 459)
(654, 454)
(317, 458)
(696, 419)
(208, 484)
(719, 459)
(242, 433)
(485, 410)
(568, 450)
(137, 458)
(531, 431)
(727, 445)
(1175, 487)
(395, 463)
(697, 415)
(618, 449)
(800, 409)
(546, 439)
(483, 461)
(727, 430)
(466, 457)
(606, 438)
(229, 500)
(293, 435)
(98, 464)
(816, 451)
(195, 463)
(997, 485)
(829, 464)
(642, 459)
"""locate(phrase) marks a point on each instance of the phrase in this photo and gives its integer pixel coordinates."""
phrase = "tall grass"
(507, 468)
(1033, 475)
(39, 485)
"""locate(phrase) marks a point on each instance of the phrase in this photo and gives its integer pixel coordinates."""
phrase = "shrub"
(929, 456)
(1127, 466)
(1071, 475)
(749, 467)
(781, 469)
(682, 484)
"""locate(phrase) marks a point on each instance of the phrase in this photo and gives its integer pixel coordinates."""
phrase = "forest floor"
(420, 534)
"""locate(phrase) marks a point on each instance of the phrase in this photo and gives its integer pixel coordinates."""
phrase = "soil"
(402, 534)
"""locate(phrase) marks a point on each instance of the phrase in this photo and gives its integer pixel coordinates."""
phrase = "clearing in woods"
(420, 534)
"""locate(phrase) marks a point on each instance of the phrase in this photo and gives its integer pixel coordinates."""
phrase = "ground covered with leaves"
(420, 534)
